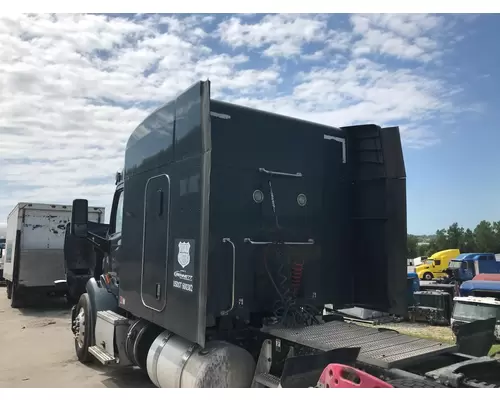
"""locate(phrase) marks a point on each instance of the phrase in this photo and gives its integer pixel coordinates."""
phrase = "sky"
(73, 88)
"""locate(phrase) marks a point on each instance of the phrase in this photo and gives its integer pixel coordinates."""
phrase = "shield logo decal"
(183, 257)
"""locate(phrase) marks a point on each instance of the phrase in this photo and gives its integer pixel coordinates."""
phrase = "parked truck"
(436, 265)
(415, 262)
(223, 246)
(467, 265)
(34, 260)
(470, 308)
(484, 288)
(479, 299)
(461, 280)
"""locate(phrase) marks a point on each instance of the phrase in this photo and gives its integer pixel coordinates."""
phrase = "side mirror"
(80, 218)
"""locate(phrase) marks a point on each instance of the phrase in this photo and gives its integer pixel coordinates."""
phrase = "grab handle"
(226, 312)
(296, 175)
(309, 242)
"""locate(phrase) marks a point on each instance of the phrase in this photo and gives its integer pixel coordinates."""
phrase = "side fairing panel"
(377, 251)
(163, 257)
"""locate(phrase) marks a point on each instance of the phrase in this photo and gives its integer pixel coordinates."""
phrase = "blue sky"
(75, 86)
(457, 177)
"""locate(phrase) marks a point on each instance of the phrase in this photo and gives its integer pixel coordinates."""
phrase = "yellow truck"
(435, 266)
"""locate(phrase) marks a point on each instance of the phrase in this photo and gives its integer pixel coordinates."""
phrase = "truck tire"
(414, 383)
(9, 290)
(83, 327)
(428, 276)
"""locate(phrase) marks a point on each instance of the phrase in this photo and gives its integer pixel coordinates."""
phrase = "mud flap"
(475, 338)
(305, 371)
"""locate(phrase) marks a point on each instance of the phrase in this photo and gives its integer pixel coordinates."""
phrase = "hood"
(493, 286)
(422, 267)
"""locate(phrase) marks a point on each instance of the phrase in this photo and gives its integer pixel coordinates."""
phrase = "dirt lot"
(37, 351)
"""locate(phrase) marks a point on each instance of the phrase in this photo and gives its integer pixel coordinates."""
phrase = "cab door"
(155, 242)
(436, 267)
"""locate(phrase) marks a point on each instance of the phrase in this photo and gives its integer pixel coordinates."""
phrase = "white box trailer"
(34, 257)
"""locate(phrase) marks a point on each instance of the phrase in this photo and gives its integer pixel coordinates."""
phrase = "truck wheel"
(415, 383)
(82, 327)
(428, 276)
(9, 290)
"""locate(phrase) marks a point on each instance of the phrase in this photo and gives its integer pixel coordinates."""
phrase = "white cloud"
(75, 86)
(316, 56)
(284, 35)
(411, 37)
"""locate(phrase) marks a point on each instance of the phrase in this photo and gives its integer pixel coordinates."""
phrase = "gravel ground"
(38, 351)
(426, 331)
(440, 333)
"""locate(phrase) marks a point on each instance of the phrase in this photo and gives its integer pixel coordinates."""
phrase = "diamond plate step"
(268, 380)
(104, 357)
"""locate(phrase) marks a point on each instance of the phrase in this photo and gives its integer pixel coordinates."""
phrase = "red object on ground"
(343, 376)
(487, 277)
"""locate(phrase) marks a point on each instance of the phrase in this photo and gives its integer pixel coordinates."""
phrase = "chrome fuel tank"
(174, 362)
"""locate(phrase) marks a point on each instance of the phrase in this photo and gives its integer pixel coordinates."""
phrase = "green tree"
(485, 237)
(432, 247)
(424, 250)
(496, 230)
(441, 240)
(455, 236)
(469, 242)
(412, 246)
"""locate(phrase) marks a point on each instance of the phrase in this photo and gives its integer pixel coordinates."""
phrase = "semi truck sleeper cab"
(223, 247)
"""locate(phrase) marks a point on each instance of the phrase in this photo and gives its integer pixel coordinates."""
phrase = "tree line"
(485, 238)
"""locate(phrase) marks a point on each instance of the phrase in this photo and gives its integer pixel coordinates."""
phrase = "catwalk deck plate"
(382, 348)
